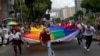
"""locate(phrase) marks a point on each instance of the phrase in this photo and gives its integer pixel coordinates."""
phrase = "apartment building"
(65, 12)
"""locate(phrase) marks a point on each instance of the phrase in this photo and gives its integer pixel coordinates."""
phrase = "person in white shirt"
(16, 41)
(88, 33)
(4, 31)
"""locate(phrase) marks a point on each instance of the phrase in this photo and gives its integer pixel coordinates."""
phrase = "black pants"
(2, 39)
(88, 41)
(17, 43)
(15, 48)
(79, 40)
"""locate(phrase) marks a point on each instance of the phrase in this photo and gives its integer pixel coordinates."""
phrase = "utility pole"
(21, 12)
(15, 9)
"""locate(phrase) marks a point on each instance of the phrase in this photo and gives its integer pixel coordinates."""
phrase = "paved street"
(61, 49)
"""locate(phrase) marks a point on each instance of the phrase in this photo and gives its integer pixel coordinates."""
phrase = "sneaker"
(85, 47)
(3, 45)
(88, 49)
(53, 53)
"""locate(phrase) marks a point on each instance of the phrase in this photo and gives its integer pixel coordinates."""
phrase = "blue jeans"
(79, 37)
(48, 45)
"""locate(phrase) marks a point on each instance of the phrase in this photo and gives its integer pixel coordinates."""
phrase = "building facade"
(78, 5)
(5, 7)
(65, 12)
(68, 12)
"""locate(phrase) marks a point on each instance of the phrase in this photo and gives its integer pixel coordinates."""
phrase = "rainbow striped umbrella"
(12, 23)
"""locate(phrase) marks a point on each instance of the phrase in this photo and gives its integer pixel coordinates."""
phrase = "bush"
(57, 20)
(91, 20)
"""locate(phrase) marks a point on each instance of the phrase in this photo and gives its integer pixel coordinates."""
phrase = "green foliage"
(66, 19)
(33, 9)
(57, 20)
(29, 3)
(79, 14)
(93, 5)
(49, 3)
(40, 6)
(71, 18)
(85, 4)
(25, 10)
(91, 20)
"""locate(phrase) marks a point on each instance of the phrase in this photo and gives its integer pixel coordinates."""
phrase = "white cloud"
(57, 4)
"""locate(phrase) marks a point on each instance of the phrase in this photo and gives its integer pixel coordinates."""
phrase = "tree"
(29, 3)
(93, 5)
(37, 8)
(79, 14)
(25, 11)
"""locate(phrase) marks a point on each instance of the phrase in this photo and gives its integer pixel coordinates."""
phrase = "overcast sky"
(57, 4)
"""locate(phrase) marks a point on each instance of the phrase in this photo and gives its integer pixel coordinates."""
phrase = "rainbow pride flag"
(57, 34)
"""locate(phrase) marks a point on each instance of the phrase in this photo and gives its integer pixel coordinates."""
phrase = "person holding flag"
(45, 41)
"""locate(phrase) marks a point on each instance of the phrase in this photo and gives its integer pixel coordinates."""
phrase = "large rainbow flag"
(58, 33)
